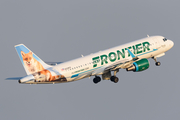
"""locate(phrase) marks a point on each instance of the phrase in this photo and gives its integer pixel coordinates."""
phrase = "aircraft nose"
(171, 43)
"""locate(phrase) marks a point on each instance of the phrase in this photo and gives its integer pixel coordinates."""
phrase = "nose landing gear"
(157, 63)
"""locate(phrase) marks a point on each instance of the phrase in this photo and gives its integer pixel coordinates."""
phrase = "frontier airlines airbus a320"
(132, 56)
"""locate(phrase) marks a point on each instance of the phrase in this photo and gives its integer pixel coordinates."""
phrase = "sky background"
(61, 30)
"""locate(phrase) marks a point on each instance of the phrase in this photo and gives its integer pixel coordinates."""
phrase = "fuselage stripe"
(84, 72)
(148, 52)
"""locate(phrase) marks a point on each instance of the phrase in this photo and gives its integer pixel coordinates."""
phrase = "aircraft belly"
(46, 82)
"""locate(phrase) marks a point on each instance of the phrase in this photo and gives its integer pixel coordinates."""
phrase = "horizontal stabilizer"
(53, 63)
(14, 78)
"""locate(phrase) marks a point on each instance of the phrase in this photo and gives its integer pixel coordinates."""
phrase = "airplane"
(132, 56)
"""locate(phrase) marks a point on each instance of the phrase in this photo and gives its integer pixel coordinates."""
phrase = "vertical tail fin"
(30, 61)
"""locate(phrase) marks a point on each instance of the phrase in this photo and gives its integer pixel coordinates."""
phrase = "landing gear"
(96, 79)
(107, 76)
(157, 63)
(114, 78)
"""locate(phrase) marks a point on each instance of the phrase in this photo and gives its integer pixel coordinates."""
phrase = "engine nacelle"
(140, 65)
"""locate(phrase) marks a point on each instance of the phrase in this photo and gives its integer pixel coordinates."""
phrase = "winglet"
(132, 55)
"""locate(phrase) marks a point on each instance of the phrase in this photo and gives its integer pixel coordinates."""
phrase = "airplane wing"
(53, 63)
(123, 64)
(126, 63)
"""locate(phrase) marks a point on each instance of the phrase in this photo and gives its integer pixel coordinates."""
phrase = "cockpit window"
(165, 39)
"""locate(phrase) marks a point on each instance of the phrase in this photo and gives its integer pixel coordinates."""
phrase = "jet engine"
(140, 65)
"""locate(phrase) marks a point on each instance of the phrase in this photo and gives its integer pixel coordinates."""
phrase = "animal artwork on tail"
(31, 64)
(35, 66)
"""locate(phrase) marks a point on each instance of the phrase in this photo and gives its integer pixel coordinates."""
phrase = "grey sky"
(61, 30)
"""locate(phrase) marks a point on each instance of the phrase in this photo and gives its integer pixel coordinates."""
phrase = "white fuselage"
(95, 64)
(83, 67)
